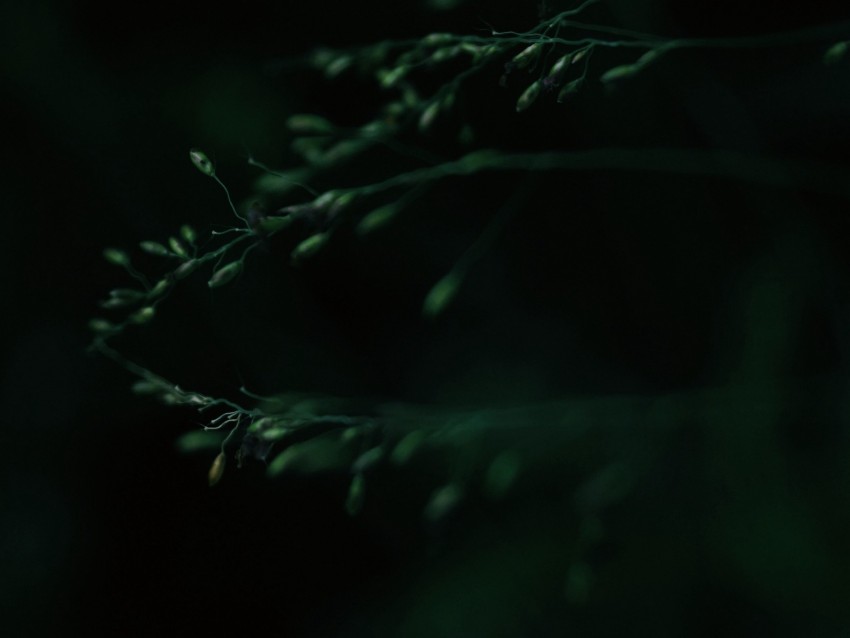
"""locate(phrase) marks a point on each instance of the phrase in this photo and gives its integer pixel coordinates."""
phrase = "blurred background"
(724, 512)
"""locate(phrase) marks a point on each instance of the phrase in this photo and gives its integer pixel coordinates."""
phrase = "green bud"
(309, 124)
(217, 469)
(126, 294)
(442, 502)
(377, 218)
(436, 39)
(367, 460)
(338, 65)
(177, 247)
(225, 274)
(145, 388)
(154, 248)
(390, 77)
(201, 162)
(528, 97)
(619, 73)
(356, 493)
(115, 302)
(309, 246)
(160, 287)
(117, 257)
(835, 53)
(501, 475)
(527, 56)
(569, 89)
(199, 441)
(429, 115)
(188, 233)
(560, 65)
(143, 315)
(441, 294)
(273, 224)
(186, 268)
(406, 448)
(100, 326)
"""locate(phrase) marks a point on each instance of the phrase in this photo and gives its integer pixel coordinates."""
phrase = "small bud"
(126, 294)
(160, 287)
(309, 246)
(337, 66)
(377, 218)
(367, 460)
(406, 448)
(188, 233)
(217, 469)
(436, 39)
(186, 268)
(390, 77)
(143, 315)
(501, 475)
(441, 294)
(442, 502)
(201, 162)
(429, 115)
(309, 124)
(528, 96)
(177, 247)
(117, 257)
(835, 53)
(579, 55)
(142, 388)
(619, 73)
(526, 57)
(154, 248)
(100, 326)
(560, 66)
(354, 501)
(225, 274)
(569, 89)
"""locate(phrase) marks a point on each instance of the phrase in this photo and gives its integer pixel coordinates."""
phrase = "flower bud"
(201, 162)
(225, 274)
(217, 469)
(117, 257)
(528, 97)
(154, 248)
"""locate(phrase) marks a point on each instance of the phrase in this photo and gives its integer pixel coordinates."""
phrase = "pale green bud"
(188, 233)
(143, 315)
(201, 162)
(309, 246)
(528, 97)
(154, 248)
(309, 124)
(177, 247)
(117, 257)
(225, 274)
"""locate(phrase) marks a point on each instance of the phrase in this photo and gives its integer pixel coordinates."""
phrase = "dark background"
(606, 284)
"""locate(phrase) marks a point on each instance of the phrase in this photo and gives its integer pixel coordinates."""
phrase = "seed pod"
(201, 162)
(154, 248)
(117, 257)
(225, 274)
(560, 66)
(528, 96)
(217, 469)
